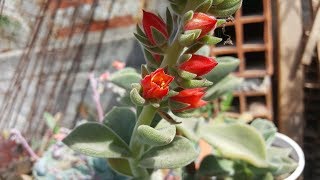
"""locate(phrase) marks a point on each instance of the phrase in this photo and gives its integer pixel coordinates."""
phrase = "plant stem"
(24, 143)
(96, 97)
(145, 118)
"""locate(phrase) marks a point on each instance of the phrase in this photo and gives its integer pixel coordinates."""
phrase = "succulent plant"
(61, 162)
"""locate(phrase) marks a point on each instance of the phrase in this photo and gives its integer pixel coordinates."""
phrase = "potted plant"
(163, 129)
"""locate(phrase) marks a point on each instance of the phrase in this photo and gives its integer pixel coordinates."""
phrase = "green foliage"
(161, 135)
(224, 86)
(51, 122)
(125, 77)
(180, 152)
(266, 128)
(216, 166)
(224, 8)
(71, 165)
(210, 40)
(236, 141)
(97, 140)
(122, 121)
(121, 166)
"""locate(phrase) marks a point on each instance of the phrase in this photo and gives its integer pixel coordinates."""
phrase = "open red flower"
(191, 97)
(201, 21)
(199, 65)
(156, 84)
(150, 20)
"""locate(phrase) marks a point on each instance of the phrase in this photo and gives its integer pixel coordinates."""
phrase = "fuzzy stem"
(24, 143)
(145, 118)
(172, 55)
(96, 97)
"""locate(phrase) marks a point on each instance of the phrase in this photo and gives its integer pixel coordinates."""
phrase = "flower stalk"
(145, 118)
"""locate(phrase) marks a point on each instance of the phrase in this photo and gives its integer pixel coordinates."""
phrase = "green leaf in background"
(204, 51)
(236, 141)
(228, 84)
(122, 121)
(180, 152)
(189, 127)
(266, 128)
(121, 166)
(51, 122)
(225, 8)
(226, 65)
(216, 166)
(124, 78)
(279, 160)
(161, 135)
(226, 102)
(97, 140)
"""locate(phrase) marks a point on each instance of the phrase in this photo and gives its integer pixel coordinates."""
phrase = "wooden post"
(290, 92)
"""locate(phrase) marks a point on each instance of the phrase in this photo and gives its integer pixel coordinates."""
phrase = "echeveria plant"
(177, 79)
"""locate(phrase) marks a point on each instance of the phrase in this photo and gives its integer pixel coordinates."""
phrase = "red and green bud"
(201, 21)
(198, 65)
(192, 98)
(150, 21)
(156, 84)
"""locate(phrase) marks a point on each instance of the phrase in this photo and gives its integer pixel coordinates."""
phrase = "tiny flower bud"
(198, 65)
(191, 97)
(201, 21)
(150, 21)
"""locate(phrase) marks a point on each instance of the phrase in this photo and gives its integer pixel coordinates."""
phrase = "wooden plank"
(290, 92)
(312, 40)
(95, 26)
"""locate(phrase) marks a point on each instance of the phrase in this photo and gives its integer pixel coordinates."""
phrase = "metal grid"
(251, 36)
(52, 60)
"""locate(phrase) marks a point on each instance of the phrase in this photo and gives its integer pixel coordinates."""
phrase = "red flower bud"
(201, 21)
(191, 97)
(151, 20)
(199, 65)
(156, 84)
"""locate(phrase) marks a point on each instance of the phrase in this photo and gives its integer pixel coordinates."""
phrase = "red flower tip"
(199, 65)
(151, 20)
(156, 84)
(201, 21)
(191, 97)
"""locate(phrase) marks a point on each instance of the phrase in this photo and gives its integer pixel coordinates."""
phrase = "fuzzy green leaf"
(210, 40)
(97, 140)
(124, 79)
(237, 141)
(161, 135)
(151, 61)
(194, 48)
(195, 83)
(186, 75)
(143, 40)
(121, 120)
(266, 128)
(187, 39)
(169, 22)
(215, 166)
(180, 152)
(158, 37)
(225, 9)
(136, 98)
(121, 166)
(228, 84)
(205, 6)
(187, 16)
